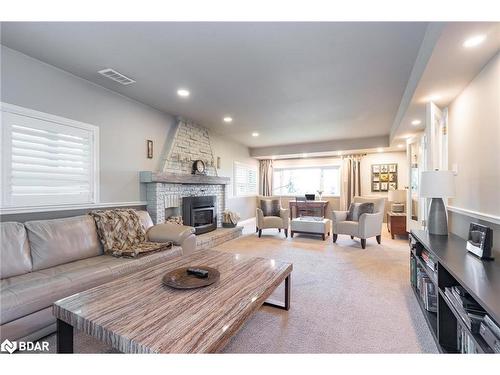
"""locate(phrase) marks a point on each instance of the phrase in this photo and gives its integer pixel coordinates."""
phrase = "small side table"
(396, 224)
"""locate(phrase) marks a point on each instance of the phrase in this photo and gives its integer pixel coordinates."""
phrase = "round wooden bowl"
(180, 279)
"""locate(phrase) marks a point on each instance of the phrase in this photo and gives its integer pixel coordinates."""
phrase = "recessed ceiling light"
(416, 122)
(228, 119)
(183, 93)
(380, 149)
(400, 145)
(474, 41)
(255, 134)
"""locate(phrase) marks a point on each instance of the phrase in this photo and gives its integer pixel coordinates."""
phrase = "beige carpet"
(344, 299)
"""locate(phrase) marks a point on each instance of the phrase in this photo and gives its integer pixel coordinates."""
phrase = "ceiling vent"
(115, 76)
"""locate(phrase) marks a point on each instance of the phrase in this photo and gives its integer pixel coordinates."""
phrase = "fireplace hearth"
(200, 213)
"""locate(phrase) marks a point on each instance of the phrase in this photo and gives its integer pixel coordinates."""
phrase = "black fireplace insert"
(200, 213)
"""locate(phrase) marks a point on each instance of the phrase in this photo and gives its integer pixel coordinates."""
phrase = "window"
(47, 160)
(306, 180)
(245, 180)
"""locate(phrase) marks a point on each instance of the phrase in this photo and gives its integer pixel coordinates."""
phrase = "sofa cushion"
(25, 294)
(60, 241)
(30, 327)
(358, 209)
(270, 207)
(169, 232)
(145, 219)
(15, 257)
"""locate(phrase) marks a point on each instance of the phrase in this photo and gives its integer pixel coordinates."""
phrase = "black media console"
(440, 264)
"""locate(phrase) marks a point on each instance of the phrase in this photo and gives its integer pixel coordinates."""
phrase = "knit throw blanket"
(122, 234)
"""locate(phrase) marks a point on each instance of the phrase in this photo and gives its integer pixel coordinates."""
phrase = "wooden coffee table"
(137, 314)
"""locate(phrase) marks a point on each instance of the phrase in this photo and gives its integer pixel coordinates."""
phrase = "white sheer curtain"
(351, 180)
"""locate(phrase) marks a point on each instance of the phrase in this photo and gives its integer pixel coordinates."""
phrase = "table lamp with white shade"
(398, 197)
(437, 185)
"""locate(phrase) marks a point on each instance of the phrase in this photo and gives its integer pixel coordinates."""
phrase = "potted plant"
(229, 219)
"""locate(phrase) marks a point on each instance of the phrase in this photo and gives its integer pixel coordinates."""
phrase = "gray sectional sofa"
(43, 261)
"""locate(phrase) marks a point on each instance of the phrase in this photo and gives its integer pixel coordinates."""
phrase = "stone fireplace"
(166, 190)
(171, 188)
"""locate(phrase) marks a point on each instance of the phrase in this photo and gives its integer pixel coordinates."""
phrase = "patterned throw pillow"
(122, 234)
(358, 209)
(270, 207)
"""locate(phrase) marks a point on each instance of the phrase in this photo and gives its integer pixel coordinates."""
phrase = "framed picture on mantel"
(384, 177)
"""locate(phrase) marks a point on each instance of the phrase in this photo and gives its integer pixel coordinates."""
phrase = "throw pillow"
(270, 207)
(350, 212)
(358, 209)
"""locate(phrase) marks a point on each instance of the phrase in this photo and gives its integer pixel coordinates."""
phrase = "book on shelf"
(465, 343)
(429, 260)
(426, 290)
(430, 295)
(489, 337)
(413, 271)
(494, 328)
(466, 300)
(470, 312)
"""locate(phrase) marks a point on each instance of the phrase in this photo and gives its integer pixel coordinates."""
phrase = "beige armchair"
(369, 225)
(265, 222)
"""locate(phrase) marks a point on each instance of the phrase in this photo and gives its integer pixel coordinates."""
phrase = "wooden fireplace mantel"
(188, 179)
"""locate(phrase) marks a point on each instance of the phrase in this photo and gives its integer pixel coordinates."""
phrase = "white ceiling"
(450, 68)
(291, 82)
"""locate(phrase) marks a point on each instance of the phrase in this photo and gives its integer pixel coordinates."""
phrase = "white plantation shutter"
(46, 160)
(245, 179)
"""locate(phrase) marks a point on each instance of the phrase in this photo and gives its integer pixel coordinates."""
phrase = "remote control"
(197, 272)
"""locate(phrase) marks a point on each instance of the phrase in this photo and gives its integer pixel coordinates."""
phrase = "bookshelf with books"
(458, 293)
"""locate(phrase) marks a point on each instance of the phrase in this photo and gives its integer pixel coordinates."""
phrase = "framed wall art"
(149, 149)
(384, 177)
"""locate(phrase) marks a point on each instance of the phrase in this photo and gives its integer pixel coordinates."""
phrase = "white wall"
(474, 147)
(124, 124)
(229, 152)
(474, 142)
(383, 158)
